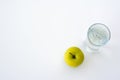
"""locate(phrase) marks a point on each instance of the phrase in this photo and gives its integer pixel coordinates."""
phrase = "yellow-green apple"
(73, 56)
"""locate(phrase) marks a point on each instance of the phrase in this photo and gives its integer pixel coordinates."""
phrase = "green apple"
(74, 56)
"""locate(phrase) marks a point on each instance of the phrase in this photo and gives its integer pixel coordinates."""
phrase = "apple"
(73, 56)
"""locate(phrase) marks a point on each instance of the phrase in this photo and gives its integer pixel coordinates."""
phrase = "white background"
(34, 36)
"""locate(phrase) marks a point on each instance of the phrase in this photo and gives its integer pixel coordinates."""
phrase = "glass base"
(90, 48)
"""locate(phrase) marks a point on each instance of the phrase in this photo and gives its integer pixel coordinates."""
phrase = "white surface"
(35, 34)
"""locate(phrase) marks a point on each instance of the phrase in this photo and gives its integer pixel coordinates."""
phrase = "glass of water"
(97, 36)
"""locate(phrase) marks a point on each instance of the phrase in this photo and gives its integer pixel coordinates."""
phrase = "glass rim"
(109, 32)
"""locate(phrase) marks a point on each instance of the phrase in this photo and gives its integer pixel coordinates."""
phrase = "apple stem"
(73, 56)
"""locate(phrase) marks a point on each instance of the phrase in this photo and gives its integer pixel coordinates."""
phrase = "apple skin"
(73, 56)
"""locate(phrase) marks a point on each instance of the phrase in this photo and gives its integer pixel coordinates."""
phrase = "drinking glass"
(97, 36)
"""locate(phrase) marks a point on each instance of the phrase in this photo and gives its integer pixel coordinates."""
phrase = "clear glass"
(97, 36)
